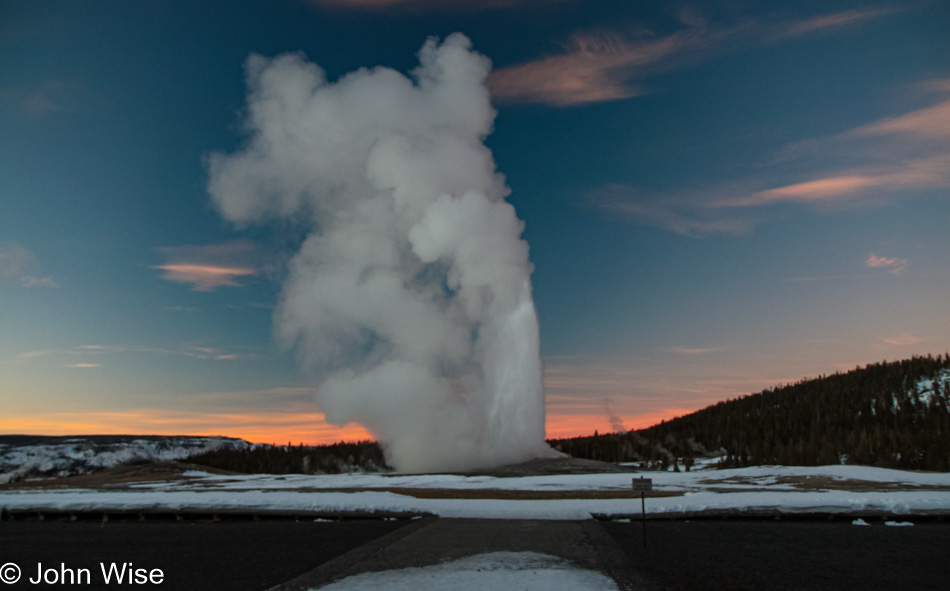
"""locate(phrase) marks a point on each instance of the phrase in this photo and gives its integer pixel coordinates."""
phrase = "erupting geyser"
(410, 299)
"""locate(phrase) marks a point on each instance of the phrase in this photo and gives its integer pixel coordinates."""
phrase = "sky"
(718, 198)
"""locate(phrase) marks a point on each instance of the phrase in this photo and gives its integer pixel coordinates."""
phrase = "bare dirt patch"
(501, 494)
(815, 483)
(829, 483)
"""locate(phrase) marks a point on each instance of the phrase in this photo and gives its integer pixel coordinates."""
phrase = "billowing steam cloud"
(410, 298)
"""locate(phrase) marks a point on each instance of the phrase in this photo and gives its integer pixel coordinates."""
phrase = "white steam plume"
(410, 298)
(616, 423)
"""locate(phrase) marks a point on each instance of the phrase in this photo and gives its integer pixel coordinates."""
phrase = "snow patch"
(61, 456)
(926, 389)
(528, 571)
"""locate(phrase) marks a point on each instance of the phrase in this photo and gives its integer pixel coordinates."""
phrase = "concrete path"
(432, 541)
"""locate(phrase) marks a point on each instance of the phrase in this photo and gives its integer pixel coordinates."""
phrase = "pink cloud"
(208, 353)
(210, 266)
(204, 277)
(930, 122)
(928, 172)
(602, 66)
(715, 212)
(891, 264)
(923, 130)
(816, 190)
(598, 67)
(595, 68)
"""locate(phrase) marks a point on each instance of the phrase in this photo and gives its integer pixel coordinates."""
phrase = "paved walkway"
(432, 541)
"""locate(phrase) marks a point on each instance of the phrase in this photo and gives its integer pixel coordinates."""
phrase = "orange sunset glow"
(275, 427)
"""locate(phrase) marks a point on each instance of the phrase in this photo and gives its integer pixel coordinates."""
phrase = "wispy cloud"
(693, 350)
(91, 355)
(893, 265)
(208, 267)
(929, 122)
(907, 151)
(816, 190)
(429, 5)
(888, 157)
(209, 353)
(205, 277)
(829, 22)
(30, 355)
(902, 340)
(687, 213)
(19, 265)
(930, 172)
(14, 260)
(594, 67)
(48, 98)
(610, 65)
(29, 281)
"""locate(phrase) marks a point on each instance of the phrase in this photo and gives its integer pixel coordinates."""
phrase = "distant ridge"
(18, 439)
(888, 414)
(23, 456)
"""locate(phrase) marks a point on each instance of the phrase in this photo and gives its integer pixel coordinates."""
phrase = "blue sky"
(718, 197)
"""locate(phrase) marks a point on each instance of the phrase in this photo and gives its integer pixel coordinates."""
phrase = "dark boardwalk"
(257, 556)
(737, 555)
(194, 556)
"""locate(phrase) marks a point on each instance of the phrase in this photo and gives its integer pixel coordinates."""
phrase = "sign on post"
(643, 486)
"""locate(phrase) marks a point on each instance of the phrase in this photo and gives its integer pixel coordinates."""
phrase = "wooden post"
(643, 517)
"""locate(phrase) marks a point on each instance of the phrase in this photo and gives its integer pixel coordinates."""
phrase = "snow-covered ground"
(530, 571)
(782, 489)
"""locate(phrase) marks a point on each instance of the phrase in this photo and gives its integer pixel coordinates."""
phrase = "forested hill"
(894, 415)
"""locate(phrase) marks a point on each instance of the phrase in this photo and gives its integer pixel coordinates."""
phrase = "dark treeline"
(874, 416)
(878, 415)
(336, 458)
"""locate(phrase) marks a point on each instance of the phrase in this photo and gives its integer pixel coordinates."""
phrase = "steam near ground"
(410, 298)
